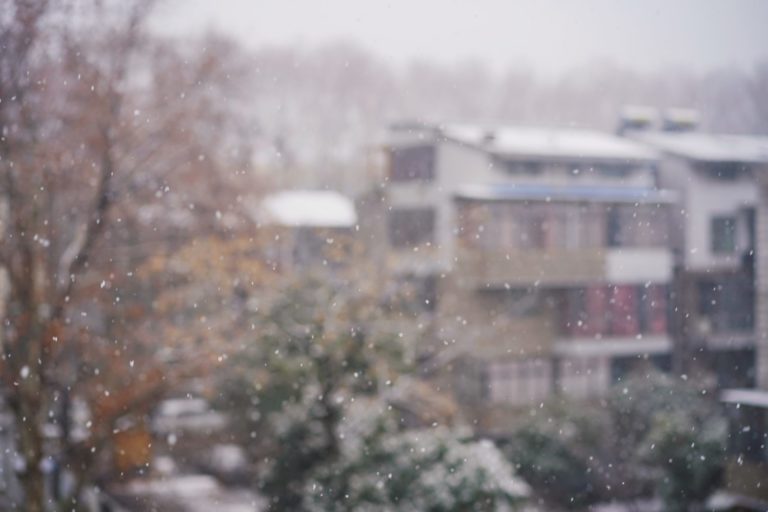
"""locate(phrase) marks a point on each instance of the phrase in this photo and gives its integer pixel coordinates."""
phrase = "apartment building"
(746, 470)
(714, 239)
(548, 253)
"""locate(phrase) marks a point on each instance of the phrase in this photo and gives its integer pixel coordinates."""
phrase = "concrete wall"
(761, 263)
(638, 265)
(701, 199)
(454, 165)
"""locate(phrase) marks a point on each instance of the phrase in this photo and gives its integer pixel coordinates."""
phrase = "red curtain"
(656, 306)
(597, 310)
(624, 302)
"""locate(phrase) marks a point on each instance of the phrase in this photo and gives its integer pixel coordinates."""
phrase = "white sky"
(546, 35)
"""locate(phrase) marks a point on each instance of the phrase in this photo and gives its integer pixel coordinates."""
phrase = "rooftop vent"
(636, 118)
(410, 131)
(680, 120)
(410, 126)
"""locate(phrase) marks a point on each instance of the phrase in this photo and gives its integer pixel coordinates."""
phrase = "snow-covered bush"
(432, 470)
(313, 392)
(652, 436)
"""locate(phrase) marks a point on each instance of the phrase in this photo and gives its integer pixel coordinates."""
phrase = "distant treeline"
(323, 107)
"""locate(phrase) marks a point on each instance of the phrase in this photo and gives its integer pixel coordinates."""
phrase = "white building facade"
(716, 177)
(551, 251)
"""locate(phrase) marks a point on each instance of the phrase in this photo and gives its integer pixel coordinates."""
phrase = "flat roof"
(707, 147)
(749, 397)
(308, 208)
(521, 142)
(581, 193)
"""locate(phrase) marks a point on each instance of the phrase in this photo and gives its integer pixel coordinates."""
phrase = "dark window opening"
(411, 227)
(613, 227)
(730, 171)
(614, 171)
(520, 168)
(727, 305)
(723, 230)
(416, 163)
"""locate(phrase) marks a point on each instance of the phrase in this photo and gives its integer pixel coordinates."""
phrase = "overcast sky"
(547, 36)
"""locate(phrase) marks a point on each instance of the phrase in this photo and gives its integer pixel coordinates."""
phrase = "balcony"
(483, 330)
(513, 337)
(482, 268)
(499, 340)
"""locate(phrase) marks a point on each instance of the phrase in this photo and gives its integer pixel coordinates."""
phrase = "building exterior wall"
(506, 306)
(702, 199)
(761, 342)
(454, 165)
(499, 312)
(713, 290)
(675, 174)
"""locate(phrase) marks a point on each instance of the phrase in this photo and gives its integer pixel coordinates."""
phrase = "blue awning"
(547, 193)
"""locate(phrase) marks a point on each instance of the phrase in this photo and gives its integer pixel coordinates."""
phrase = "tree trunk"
(34, 490)
(31, 446)
(29, 403)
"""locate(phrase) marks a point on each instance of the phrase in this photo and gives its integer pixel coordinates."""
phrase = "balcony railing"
(481, 268)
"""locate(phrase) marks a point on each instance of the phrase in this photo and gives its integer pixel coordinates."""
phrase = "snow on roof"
(309, 208)
(750, 397)
(541, 143)
(708, 147)
(512, 192)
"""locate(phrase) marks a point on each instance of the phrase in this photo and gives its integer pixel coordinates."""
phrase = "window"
(415, 163)
(411, 227)
(613, 227)
(654, 309)
(614, 170)
(584, 377)
(585, 311)
(512, 303)
(635, 226)
(520, 382)
(723, 234)
(521, 168)
(621, 310)
(624, 311)
(726, 171)
(727, 304)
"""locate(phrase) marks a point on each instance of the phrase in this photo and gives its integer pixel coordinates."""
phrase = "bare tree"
(113, 147)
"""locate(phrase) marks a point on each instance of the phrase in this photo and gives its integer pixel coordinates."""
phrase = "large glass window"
(723, 234)
(620, 310)
(520, 382)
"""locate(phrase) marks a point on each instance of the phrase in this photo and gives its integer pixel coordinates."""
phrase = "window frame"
(716, 242)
